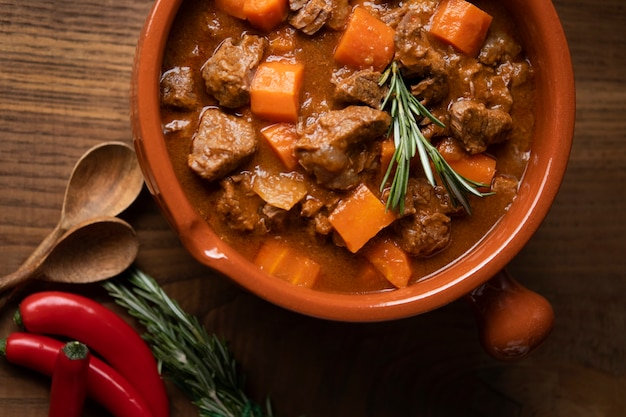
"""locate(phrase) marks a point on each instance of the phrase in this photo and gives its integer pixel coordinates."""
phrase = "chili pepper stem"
(17, 319)
(75, 350)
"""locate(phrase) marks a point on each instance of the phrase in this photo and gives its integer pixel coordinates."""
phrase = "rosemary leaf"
(199, 363)
(405, 110)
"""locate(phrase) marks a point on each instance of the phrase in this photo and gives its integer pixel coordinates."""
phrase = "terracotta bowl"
(512, 319)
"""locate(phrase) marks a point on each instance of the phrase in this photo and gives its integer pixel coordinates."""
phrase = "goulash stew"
(348, 146)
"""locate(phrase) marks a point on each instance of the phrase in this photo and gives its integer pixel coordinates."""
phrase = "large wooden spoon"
(91, 251)
(103, 183)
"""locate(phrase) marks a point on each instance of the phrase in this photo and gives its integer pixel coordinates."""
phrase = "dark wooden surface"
(64, 82)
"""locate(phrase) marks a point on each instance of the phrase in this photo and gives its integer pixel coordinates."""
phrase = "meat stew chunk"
(178, 88)
(229, 71)
(425, 227)
(359, 87)
(476, 126)
(310, 16)
(220, 144)
(241, 208)
(331, 148)
(413, 48)
(238, 204)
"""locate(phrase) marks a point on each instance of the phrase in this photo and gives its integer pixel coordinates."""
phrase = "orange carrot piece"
(265, 14)
(280, 260)
(359, 217)
(282, 138)
(366, 43)
(232, 7)
(451, 149)
(387, 150)
(275, 91)
(479, 167)
(391, 261)
(461, 24)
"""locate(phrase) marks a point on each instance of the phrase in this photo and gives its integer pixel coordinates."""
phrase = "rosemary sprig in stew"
(405, 110)
(199, 363)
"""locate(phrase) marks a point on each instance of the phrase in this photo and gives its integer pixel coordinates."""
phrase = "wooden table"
(64, 81)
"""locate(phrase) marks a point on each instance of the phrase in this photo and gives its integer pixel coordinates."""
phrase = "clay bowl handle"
(512, 320)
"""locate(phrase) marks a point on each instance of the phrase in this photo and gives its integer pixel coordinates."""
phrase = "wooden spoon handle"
(31, 266)
(512, 320)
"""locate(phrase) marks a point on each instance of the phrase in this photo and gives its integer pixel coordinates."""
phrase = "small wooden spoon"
(103, 183)
(91, 251)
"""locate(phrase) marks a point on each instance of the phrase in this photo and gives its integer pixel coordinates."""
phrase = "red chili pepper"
(69, 380)
(104, 385)
(81, 318)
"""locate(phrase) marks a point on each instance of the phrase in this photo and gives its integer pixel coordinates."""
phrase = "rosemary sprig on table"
(405, 110)
(199, 363)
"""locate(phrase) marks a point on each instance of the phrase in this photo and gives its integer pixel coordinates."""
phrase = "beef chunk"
(221, 142)
(312, 209)
(413, 50)
(431, 130)
(418, 59)
(515, 73)
(242, 209)
(335, 147)
(498, 48)
(505, 187)
(238, 205)
(424, 233)
(496, 93)
(424, 227)
(483, 84)
(422, 9)
(339, 15)
(178, 88)
(431, 90)
(360, 87)
(421, 195)
(228, 73)
(476, 126)
(311, 15)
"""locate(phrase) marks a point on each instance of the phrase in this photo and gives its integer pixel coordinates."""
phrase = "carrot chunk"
(265, 14)
(386, 155)
(479, 167)
(366, 43)
(461, 24)
(359, 217)
(275, 91)
(282, 138)
(391, 261)
(232, 7)
(280, 260)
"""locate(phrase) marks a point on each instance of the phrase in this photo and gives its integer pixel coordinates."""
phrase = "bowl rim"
(452, 282)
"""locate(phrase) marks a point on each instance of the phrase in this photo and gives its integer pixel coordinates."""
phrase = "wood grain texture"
(64, 82)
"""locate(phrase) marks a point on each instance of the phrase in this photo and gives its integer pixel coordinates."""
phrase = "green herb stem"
(199, 363)
(405, 110)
